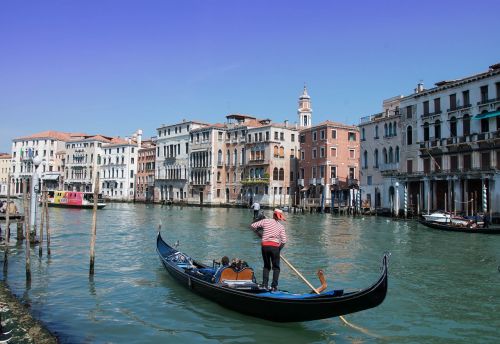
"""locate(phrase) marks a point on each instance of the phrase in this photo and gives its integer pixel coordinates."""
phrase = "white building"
(172, 160)
(5, 161)
(380, 155)
(45, 145)
(451, 144)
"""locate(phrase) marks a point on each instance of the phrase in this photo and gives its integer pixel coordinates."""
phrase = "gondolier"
(273, 240)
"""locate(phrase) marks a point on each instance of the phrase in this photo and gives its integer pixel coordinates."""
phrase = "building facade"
(45, 145)
(145, 180)
(83, 160)
(329, 165)
(172, 161)
(119, 168)
(451, 141)
(380, 155)
(5, 161)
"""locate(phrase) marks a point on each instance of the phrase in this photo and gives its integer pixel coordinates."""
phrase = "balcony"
(300, 182)
(389, 167)
(254, 181)
(258, 162)
(431, 114)
(352, 181)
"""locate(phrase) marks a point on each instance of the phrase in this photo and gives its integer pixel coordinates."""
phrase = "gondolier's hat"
(278, 213)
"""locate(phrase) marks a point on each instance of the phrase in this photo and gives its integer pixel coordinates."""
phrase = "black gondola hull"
(279, 309)
(453, 228)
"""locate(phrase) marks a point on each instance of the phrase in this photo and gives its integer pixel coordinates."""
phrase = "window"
(437, 105)
(276, 135)
(467, 162)
(282, 174)
(302, 155)
(333, 152)
(351, 154)
(322, 152)
(409, 112)
(453, 127)
(267, 135)
(466, 97)
(131, 173)
(409, 166)
(315, 135)
(282, 136)
(333, 172)
(365, 159)
(334, 134)
(409, 135)
(293, 138)
(397, 154)
(427, 165)
(351, 136)
(454, 163)
(302, 138)
(484, 94)
(485, 125)
(363, 138)
(219, 157)
(275, 174)
(282, 152)
(453, 101)
(375, 158)
(369, 180)
(466, 125)
(314, 153)
(322, 134)
(437, 129)
(260, 137)
(352, 172)
(498, 90)
(426, 108)
(376, 132)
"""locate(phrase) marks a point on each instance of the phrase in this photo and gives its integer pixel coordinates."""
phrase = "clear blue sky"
(112, 66)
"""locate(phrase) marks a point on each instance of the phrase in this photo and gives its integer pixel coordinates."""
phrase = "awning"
(51, 177)
(305, 189)
(487, 115)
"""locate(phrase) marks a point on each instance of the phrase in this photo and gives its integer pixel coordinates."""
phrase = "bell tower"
(305, 111)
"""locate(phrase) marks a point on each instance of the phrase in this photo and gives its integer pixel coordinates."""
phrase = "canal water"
(443, 287)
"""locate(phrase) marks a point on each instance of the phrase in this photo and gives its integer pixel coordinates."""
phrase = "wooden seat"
(229, 274)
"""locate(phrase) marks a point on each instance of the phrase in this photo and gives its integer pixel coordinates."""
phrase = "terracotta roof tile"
(49, 134)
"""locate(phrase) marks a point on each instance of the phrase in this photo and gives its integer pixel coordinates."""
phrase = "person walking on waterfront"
(273, 241)
(256, 209)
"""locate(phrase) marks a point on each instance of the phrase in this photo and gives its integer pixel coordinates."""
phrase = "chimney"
(420, 87)
(286, 123)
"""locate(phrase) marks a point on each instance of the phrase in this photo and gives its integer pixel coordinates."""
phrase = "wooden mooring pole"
(7, 214)
(42, 220)
(27, 230)
(47, 223)
(94, 226)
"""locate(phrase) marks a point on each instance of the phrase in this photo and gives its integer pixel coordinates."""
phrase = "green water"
(443, 287)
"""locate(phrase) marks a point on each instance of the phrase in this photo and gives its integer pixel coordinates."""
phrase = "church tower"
(305, 111)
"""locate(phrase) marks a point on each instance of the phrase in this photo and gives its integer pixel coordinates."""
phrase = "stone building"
(380, 155)
(119, 168)
(5, 161)
(450, 152)
(172, 161)
(145, 177)
(45, 145)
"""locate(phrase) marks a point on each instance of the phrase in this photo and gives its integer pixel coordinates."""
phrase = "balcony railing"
(255, 181)
(389, 167)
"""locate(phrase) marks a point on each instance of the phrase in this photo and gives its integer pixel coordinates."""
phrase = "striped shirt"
(274, 232)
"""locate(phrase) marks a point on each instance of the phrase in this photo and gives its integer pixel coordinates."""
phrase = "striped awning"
(487, 115)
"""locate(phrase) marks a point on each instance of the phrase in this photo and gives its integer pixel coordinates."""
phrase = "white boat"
(438, 216)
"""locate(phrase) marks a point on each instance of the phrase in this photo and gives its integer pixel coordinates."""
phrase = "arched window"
(385, 129)
(275, 174)
(282, 152)
(219, 157)
(375, 157)
(384, 153)
(276, 151)
(453, 126)
(390, 129)
(437, 129)
(397, 154)
(228, 157)
(426, 131)
(365, 159)
(394, 129)
(363, 134)
(282, 174)
(409, 135)
(376, 131)
(252, 174)
(391, 156)
(466, 125)
(485, 125)
(235, 155)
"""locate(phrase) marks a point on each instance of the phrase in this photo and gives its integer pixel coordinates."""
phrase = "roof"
(48, 134)
(332, 124)
(5, 156)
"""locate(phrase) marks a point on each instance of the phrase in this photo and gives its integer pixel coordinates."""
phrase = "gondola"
(238, 290)
(455, 228)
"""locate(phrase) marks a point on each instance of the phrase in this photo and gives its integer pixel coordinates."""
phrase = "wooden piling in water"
(42, 220)
(27, 232)
(94, 226)
(7, 214)
(47, 223)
